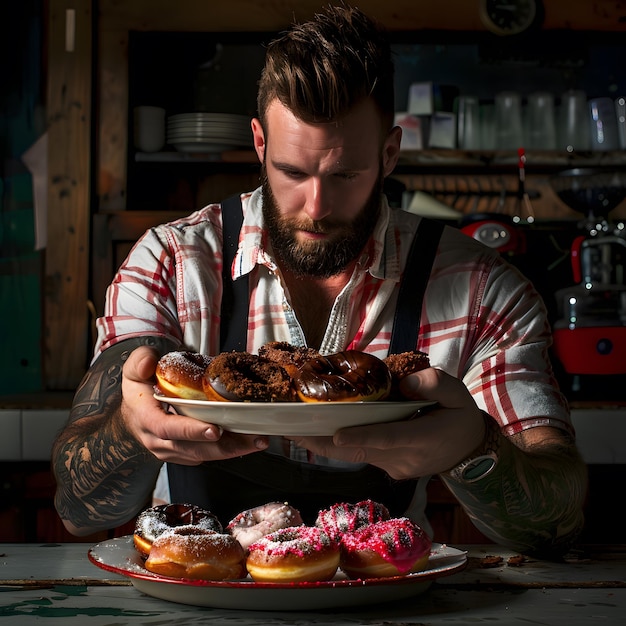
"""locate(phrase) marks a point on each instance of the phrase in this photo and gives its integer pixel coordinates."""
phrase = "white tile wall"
(27, 434)
(11, 439)
(39, 429)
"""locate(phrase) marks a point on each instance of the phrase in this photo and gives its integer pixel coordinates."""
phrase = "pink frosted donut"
(390, 548)
(249, 526)
(296, 554)
(344, 517)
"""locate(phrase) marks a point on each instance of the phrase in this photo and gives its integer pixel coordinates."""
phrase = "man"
(325, 260)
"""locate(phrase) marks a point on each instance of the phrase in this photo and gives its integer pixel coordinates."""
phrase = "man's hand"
(424, 445)
(168, 436)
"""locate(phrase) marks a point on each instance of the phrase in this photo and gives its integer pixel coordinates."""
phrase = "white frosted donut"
(249, 526)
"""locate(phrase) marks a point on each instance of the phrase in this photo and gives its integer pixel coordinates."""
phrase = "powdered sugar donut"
(195, 553)
(179, 374)
(153, 522)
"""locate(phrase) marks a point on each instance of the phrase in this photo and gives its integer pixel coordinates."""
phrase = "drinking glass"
(541, 121)
(604, 136)
(509, 134)
(574, 134)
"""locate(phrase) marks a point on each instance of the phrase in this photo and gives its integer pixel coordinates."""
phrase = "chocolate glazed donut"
(348, 376)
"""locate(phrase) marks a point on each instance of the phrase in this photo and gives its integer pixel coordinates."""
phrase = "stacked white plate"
(208, 132)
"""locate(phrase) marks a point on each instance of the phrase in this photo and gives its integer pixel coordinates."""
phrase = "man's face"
(321, 186)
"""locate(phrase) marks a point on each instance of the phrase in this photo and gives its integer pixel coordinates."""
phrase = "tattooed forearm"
(103, 474)
(532, 501)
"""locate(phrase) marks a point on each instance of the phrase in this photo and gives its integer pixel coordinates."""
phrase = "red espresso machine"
(590, 334)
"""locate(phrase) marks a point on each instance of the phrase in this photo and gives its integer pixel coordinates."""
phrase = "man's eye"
(293, 173)
(346, 175)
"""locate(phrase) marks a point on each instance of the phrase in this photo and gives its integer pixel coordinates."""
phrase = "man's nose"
(317, 205)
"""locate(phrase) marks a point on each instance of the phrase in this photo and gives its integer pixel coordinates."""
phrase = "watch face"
(508, 17)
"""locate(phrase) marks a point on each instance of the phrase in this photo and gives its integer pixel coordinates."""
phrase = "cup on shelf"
(603, 120)
(574, 131)
(508, 127)
(541, 121)
(149, 128)
(468, 123)
(487, 127)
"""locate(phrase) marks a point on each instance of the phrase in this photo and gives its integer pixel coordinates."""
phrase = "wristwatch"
(471, 470)
(485, 458)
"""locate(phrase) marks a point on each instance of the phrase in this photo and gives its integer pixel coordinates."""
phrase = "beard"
(320, 259)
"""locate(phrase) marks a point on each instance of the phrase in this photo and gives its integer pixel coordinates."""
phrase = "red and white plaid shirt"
(481, 321)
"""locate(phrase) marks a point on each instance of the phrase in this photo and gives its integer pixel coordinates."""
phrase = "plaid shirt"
(481, 320)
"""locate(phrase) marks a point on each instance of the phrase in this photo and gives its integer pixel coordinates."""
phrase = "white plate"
(203, 146)
(210, 136)
(293, 418)
(212, 117)
(209, 124)
(120, 557)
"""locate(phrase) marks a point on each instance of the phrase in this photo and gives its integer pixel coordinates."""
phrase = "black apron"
(230, 486)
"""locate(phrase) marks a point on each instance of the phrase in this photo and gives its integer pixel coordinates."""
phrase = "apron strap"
(234, 311)
(407, 320)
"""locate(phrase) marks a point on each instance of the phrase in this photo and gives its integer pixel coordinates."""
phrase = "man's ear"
(391, 150)
(258, 136)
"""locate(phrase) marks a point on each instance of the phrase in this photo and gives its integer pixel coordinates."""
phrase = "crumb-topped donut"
(196, 553)
(390, 548)
(345, 517)
(153, 522)
(251, 525)
(179, 374)
(348, 376)
(403, 364)
(245, 377)
(288, 356)
(296, 554)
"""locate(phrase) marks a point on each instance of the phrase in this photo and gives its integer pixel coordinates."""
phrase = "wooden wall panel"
(69, 160)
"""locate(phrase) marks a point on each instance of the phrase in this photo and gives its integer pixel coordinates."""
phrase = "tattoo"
(103, 474)
(532, 501)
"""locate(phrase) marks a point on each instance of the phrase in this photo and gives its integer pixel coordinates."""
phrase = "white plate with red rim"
(299, 419)
(119, 556)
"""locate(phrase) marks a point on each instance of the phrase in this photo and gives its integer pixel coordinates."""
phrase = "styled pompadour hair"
(322, 68)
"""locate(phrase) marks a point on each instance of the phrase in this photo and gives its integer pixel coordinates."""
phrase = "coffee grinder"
(590, 334)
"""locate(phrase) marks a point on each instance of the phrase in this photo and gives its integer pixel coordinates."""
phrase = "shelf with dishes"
(414, 158)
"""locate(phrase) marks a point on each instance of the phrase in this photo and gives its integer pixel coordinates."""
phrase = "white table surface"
(57, 584)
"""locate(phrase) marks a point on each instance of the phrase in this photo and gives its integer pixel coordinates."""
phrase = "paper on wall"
(36, 160)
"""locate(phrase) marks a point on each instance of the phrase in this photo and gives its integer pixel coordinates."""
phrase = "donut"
(349, 376)
(403, 364)
(294, 554)
(249, 526)
(153, 522)
(389, 548)
(179, 374)
(196, 553)
(344, 517)
(288, 356)
(245, 377)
